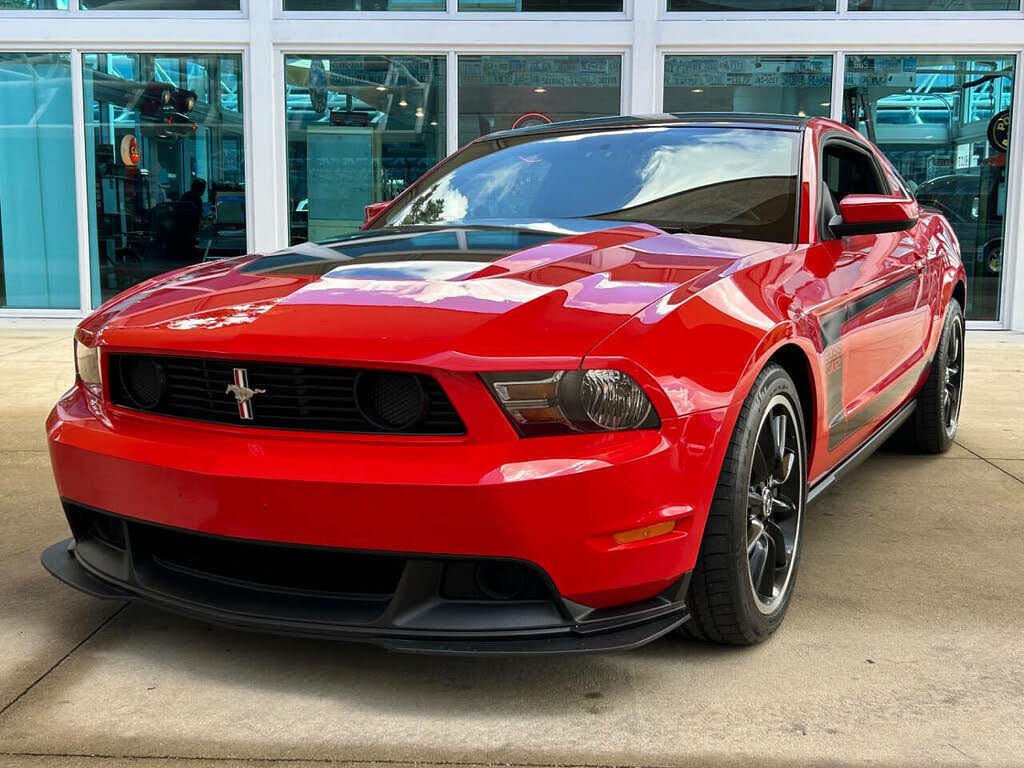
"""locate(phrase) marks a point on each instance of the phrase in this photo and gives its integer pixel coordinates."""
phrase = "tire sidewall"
(941, 360)
(772, 381)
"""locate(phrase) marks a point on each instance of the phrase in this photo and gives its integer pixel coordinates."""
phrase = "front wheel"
(746, 568)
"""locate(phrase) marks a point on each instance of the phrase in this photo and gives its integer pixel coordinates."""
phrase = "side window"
(845, 170)
(849, 171)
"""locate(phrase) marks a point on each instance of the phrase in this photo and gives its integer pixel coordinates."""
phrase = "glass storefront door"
(165, 157)
(38, 229)
(943, 121)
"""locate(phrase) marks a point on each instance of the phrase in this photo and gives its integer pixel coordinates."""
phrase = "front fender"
(705, 350)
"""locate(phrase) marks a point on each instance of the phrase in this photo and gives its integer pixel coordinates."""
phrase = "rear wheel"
(743, 581)
(937, 416)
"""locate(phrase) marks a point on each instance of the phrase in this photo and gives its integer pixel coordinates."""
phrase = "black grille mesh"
(305, 397)
(393, 401)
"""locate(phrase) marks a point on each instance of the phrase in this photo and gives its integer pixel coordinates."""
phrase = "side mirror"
(373, 210)
(873, 215)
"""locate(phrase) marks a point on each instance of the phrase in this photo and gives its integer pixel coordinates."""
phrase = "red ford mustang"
(572, 390)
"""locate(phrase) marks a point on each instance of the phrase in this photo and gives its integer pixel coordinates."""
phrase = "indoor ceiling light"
(540, 90)
(403, 103)
(381, 88)
(696, 90)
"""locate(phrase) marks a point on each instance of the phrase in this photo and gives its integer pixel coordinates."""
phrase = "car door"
(874, 331)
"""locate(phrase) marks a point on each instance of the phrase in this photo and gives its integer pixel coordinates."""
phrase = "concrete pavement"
(902, 647)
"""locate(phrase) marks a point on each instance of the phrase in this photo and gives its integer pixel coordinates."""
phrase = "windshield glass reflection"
(713, 180)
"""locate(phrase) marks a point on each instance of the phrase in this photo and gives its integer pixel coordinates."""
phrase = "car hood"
(457, 296)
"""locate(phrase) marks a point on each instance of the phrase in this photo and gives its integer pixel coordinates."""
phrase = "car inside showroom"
(466, 382)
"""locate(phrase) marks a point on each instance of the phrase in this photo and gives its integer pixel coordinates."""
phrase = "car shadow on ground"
(172, 646)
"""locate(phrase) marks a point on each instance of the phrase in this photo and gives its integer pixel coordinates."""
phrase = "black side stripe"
(886, 398)
(831, 325)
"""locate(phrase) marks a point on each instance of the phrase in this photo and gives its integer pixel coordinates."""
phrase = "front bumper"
(409, 602)
(552, 503)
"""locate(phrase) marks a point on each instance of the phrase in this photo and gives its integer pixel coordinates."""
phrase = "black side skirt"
(871, 445)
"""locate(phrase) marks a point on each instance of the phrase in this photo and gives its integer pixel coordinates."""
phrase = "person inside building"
(190, 217)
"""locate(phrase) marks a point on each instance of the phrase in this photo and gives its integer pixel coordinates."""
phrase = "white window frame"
(643, 34)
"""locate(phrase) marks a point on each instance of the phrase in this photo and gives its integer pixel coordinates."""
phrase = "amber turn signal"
(649, 532)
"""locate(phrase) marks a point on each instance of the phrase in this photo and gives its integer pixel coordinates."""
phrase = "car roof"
(730, 119)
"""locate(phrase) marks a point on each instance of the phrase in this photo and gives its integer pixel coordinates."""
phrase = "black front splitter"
(61, 561)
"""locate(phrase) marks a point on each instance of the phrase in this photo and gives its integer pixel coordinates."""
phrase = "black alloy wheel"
(773, 504)
(746, 568)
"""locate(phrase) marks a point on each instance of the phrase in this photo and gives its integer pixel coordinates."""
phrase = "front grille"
(305, 397)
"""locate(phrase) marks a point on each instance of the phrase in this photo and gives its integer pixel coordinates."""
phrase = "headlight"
(87, 366)
(560, 402)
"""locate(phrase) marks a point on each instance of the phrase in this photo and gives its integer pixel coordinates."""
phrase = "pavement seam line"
(60, 661)
(987, 461)
(30, 346)
(326, 760)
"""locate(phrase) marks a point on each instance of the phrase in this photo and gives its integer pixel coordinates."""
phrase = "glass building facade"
(285, 118)
(794, 85)
(38, 230)
(501, 92)
(360, 129)
(165, 154)
(934, 118)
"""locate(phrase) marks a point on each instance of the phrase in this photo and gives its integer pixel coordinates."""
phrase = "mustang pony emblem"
(240, 389)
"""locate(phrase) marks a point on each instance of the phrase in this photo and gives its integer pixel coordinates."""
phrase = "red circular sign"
(130, 154)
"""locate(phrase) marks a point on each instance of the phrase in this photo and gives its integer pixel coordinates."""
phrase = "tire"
(993, 257)
(937, 415)
(725, 606)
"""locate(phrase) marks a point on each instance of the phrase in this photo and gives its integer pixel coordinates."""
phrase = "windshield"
(730, 182)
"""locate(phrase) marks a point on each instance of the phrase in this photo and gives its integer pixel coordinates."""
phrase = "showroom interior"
(227, 126)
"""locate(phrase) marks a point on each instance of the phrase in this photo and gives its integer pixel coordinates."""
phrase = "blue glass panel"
(38, 230)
